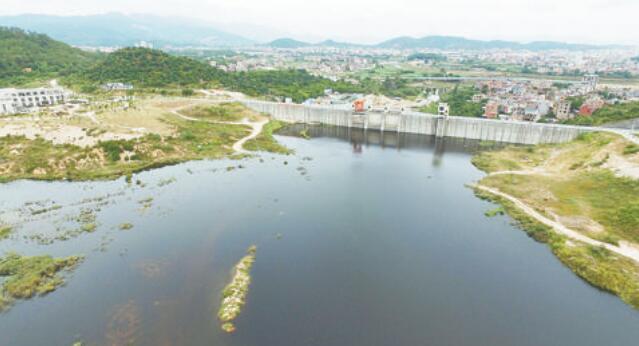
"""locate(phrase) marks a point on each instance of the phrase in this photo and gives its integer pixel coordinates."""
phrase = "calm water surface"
(381, 244)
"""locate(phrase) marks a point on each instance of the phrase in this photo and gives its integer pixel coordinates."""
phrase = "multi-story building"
(562, 110)
(590, 82)
(14, 101)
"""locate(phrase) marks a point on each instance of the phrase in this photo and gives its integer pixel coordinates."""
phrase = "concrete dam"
(421, 123)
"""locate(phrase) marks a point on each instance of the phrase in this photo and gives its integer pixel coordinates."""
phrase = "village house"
(117, 86)
(491, 110)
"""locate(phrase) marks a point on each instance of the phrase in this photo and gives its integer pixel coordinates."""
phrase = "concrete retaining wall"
(421, 123)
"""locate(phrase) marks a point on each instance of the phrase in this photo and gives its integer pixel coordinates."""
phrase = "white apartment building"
(14, 101)
(590, 82)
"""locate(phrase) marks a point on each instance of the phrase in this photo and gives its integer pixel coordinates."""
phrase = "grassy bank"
(588, 148)
(596, 265)
(574, 184)
(266, 142)
(596, 203)
(22, 158)
(102, 141)
(42, 160)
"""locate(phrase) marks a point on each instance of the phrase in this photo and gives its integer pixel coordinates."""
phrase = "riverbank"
(107, 147)
(581, 198)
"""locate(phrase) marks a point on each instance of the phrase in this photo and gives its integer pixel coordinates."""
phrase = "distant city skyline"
(372, 21)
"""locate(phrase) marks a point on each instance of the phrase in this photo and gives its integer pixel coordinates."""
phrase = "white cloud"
(588, 21)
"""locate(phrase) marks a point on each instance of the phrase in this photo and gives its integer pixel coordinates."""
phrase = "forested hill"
(27, 56)
(154, 69)
(151, 68)
(296, 84)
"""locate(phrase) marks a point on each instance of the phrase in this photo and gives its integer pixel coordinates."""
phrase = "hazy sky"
(581, 21)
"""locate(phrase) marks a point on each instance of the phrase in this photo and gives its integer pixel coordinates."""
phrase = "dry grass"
(572, 183)
(223, 112)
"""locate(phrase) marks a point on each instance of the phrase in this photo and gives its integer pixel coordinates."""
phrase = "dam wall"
(421, 123)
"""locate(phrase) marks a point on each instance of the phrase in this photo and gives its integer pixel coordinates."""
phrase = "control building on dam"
(421, 123)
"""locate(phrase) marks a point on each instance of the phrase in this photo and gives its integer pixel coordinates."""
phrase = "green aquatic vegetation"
(495, 212)
(165, 182)
(26, 277)
(89, 227)
(5, 232)
(84, 222)
(532, 227)
(126, 226)
(87, 220)
(146, 203)
(304, 134)
(45, 210)
(234, 294)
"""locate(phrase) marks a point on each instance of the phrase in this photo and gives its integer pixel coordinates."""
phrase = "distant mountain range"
(451, 42)
(440, 42)
(292, 44)
(115, 29)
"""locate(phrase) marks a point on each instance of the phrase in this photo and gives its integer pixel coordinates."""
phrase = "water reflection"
(361, 138)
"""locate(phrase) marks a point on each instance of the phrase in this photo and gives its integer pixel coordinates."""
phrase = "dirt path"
(624, 248)
(256, 128)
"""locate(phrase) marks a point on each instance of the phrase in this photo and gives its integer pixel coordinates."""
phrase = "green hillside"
(26, 56)
(608, 114)
(296, 84)
(150, 68)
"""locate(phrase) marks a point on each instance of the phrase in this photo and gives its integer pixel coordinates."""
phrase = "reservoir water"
(363, 239)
